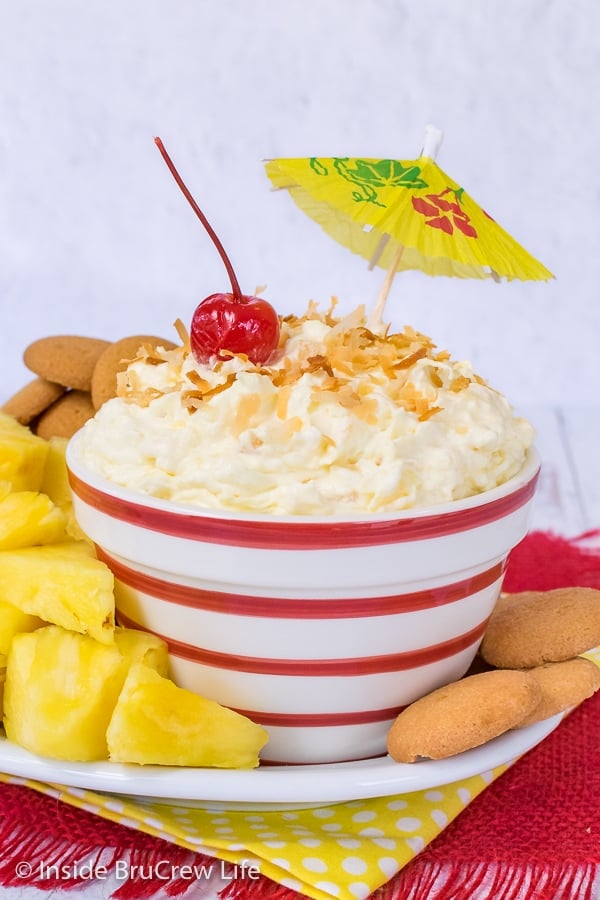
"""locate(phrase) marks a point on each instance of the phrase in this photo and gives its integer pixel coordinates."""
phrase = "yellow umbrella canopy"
(404, 214)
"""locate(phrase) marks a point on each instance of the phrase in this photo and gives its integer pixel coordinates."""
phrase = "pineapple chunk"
(2, 680)
(156, 722)
(141, 646)
(22, 455)
(56, 484)
(13, 621)
(56, 478)
(60, 692)
(62, 583)
(28, 518)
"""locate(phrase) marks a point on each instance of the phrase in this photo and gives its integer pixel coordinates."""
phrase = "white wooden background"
(568, 496)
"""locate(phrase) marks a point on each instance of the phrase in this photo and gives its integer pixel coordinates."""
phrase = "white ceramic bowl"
(319, 629)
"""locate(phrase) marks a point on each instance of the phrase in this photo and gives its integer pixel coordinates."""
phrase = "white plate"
(273, 787)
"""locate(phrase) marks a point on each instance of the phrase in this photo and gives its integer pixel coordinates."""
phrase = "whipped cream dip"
(341, 421)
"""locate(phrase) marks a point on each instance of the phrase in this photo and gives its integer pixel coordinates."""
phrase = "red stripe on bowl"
(320, 720)
(299, 608)
(271, 534)
(358, 665)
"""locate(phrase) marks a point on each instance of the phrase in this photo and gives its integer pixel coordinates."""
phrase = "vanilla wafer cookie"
(65, 359)
(563, 684)
(463, 715)
(66, 416)
(535, 627)
(32, 399)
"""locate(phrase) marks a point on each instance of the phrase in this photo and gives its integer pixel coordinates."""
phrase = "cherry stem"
(235, 286)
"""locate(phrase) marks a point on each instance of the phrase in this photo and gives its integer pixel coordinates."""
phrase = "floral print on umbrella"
(443, 213)
(369, 175)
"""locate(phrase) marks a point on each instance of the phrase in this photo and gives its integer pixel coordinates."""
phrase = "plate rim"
(323, 783)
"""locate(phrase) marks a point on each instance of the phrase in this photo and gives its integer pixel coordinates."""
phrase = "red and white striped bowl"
(323, 629)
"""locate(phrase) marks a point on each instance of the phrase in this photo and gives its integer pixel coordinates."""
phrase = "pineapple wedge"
(141, 646)
(156, 722)
(56, 484)
(56, 479)
(22, 455)
(28, 518)
(14, 621)
(63, 584)
(60, 692)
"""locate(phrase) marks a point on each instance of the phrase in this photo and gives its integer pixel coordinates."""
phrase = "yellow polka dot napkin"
(344, 851)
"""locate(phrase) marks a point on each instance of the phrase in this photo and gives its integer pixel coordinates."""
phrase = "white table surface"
(567, 503)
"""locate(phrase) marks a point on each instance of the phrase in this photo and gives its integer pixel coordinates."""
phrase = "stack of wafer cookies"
(74, 376)
(529, 669)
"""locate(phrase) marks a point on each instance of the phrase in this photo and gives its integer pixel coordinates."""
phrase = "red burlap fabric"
(534, 833)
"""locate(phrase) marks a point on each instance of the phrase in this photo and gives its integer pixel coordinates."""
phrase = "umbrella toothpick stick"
(376, 317)
(431, 146)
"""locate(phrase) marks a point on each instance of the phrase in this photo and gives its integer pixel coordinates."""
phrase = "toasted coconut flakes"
(149, 354)
(355, 319)
(122, 383)
(345, 395)
(387, 359)
(247, 408)
(459, 383)
(410, 332)
(229, 354)
(428, 413)
(289, 374)
(283, 398)
(145, 397)
(352, 351)
(411, 399)
(183, 333)
(329, 315)
(219, 388)
(407, 361)
(192, 401)
(312, 311)
(129, 384)
(194, 395)
(364, 388)
(422, 407)
(293, 425)
(330, 385)
(367, 410)
(201, 383)
(348, 398)
(319, 362)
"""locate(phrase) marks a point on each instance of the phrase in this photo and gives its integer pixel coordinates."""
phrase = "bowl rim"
(79, 471)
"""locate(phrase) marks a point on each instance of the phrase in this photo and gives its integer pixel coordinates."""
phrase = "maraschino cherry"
(223, 324)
